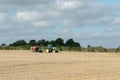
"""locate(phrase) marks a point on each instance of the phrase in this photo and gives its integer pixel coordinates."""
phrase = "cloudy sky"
(93, 22)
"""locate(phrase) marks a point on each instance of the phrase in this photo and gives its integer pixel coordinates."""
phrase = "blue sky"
(89, 22)
(110, 2)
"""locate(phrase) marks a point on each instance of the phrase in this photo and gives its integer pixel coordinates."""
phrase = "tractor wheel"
(56, 51)
(47, 50)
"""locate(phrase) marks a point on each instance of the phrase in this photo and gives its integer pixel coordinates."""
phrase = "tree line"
(59, 42)
(69, 45)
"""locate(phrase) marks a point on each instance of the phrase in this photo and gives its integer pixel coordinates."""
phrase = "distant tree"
(42, 42)
(89, 48)
(53, 43)
(76, 44)
(19, 43)
(32, 42)
(3, 45)
(118, 49)
(100, 49)
(59, 42)
(72, 43)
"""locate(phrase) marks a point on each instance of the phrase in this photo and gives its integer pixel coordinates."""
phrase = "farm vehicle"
(49, 49)
(36, 49)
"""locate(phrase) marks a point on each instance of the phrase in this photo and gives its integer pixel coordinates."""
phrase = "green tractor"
(51, 49)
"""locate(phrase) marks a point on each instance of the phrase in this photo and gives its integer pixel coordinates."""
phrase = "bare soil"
(26, 65)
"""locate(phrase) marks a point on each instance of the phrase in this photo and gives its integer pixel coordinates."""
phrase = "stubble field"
(26, 65)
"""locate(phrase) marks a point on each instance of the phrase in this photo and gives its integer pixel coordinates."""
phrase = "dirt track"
(25, 65)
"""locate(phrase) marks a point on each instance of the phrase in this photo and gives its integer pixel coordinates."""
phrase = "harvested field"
(25, 65)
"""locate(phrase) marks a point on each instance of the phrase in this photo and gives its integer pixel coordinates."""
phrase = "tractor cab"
(51, 49)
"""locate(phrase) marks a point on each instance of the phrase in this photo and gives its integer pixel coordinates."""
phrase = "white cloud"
(110, 29)
(28, 16)
(51, 14)
(3, 17)
(116, 21)
(6, 27)
(68, 5)
(41, 24)
(25, 2)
